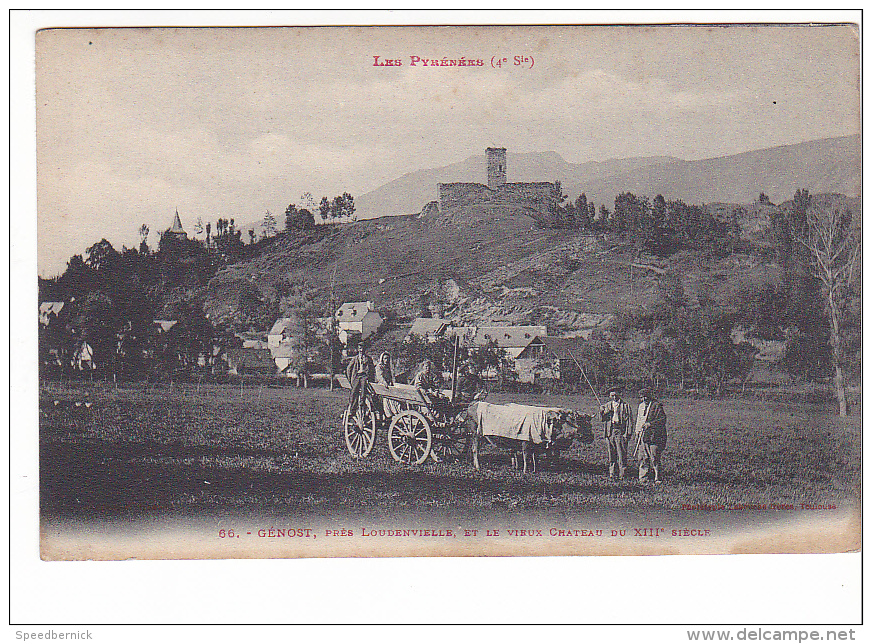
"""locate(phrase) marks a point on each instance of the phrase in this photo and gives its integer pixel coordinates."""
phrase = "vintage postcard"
(448, 291)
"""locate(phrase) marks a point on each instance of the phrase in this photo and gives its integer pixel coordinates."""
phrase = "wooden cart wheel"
(409, 437)
(451, 442)
(359, 430)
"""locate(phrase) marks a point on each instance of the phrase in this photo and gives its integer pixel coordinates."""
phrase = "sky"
(133, 124)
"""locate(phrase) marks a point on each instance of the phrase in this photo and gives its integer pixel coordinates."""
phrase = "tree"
(269, 224)
(597, 357)
(627, 216)
(582, 213)
(834, 245)
(143, 239)
(336, 208)
(198, 226)
(96, 322)
(324, 208)
(101, 256)
(604, 222)
(648, 364)
(735, 227)
(348, 207)
(491, 357)
(306, 201)
(298, 219)
(251, 236)
(342, 207)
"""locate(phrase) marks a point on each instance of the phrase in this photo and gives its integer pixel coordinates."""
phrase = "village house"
(429, 329)
(164, 326)
(281, 331)
(515, 341)
(49, 311)
(552, 358)
(283, 342)
(357, 318)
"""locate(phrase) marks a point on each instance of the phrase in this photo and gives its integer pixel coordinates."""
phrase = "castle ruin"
(537, 199)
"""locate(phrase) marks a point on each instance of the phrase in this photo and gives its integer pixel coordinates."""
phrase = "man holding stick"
(650, 436)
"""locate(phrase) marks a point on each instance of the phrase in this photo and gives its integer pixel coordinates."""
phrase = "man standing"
(360, 372)
(619, 426)
(651, 436)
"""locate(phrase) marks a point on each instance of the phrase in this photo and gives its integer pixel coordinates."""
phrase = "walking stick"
(454, 371)
(581, 369)
(638, 442)
(587, 380)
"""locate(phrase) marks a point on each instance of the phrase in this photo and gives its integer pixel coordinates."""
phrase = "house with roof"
(357, 319)
(429, 329)
(282, 331)
(466, 334)
(513, 339)
(552, 358)
(49, 311)
(164, 326)
(284, 343)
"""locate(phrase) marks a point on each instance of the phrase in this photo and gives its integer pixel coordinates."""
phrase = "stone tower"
(496, 167)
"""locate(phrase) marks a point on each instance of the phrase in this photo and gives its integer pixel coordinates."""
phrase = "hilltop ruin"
(536, 199)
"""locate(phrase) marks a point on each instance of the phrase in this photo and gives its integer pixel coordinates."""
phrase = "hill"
(826, 165)
(486, 265)
(498, 269)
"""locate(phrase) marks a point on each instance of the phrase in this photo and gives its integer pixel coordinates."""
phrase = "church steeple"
(177, 226)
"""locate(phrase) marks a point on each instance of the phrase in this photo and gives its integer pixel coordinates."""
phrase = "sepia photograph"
(448, 291)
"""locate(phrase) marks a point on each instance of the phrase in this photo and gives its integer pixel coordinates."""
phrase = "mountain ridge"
(822, 165)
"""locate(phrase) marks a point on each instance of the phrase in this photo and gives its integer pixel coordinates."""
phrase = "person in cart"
(429, 383)
(469, 384)
(384, 375)
(428, 380)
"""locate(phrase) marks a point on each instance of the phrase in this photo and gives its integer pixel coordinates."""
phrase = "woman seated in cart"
(384, 375)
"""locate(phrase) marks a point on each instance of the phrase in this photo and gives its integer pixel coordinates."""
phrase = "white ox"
(526, 429)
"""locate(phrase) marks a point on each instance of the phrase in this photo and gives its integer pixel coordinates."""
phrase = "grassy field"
(182, 452)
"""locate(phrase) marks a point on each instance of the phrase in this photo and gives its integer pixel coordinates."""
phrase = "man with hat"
(360, 372)
(618, 417)
(650, 436)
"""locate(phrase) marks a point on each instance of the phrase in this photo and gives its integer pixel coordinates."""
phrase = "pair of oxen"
(527, 431)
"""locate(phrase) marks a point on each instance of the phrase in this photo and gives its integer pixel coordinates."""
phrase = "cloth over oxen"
(527, 429)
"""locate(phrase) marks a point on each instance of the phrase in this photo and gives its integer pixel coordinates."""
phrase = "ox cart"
(416, 426)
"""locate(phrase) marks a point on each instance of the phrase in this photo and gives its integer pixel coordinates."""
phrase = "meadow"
(191, 450)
